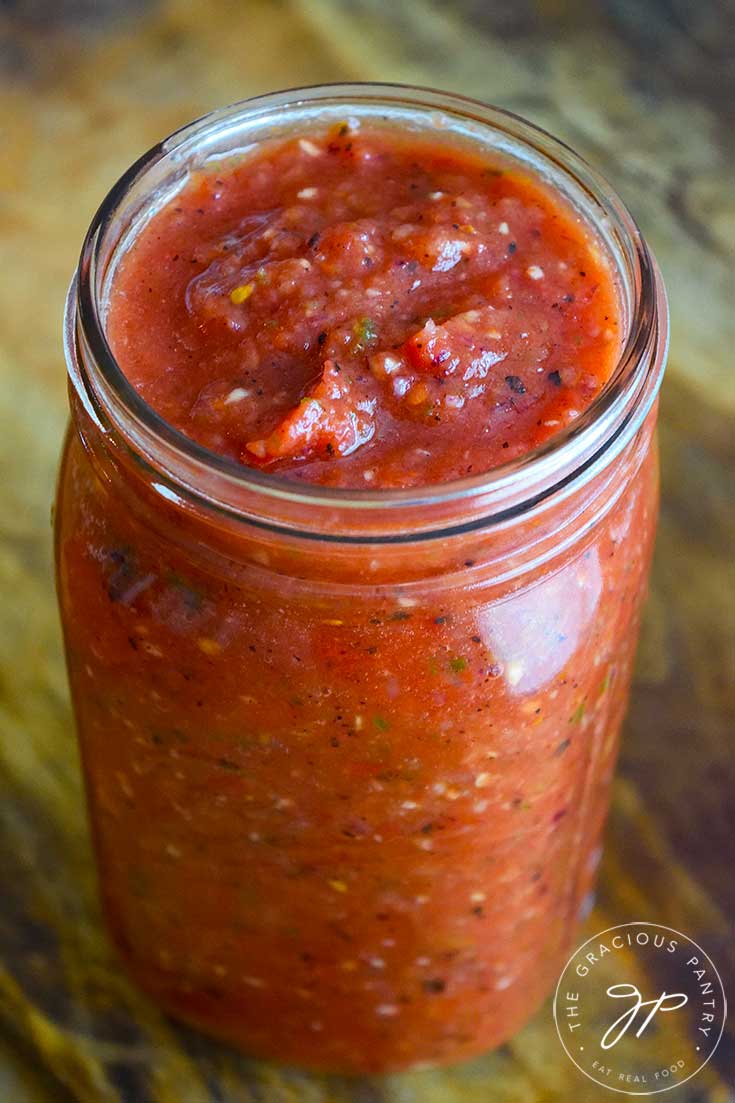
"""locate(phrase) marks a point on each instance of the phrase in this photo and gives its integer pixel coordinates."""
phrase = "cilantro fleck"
(365, 331)
(561, 748)
(458, 664)
(381, 723)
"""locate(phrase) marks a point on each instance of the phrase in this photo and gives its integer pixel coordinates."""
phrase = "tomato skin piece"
(330, 420)
(467, 343)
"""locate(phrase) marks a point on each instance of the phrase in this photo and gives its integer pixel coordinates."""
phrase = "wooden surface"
(645, 91)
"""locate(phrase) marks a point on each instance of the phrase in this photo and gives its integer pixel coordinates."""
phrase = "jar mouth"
(184, 469)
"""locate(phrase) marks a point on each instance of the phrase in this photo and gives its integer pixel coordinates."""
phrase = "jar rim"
(185, 469)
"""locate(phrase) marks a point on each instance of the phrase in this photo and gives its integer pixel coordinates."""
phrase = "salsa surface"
(366, 308)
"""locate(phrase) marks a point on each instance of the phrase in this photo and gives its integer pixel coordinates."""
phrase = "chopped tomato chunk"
(331, 419)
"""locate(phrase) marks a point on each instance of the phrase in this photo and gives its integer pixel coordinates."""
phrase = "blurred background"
(645, 90)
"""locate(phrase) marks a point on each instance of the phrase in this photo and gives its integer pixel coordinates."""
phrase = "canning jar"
(348, 753)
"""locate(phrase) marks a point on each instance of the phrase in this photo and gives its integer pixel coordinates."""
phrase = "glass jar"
(348, 754)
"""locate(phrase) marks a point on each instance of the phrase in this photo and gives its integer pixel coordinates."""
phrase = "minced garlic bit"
(503, 228)
(307, 193)
(240, 294)
(209, 646)
(436, 195)
(534, 272)
(309, 147)
(338, 886)
(478, 897)
(483, 780)
(387, 1010)
(237, 394)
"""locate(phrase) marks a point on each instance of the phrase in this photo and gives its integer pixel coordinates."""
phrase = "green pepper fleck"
(366, 332)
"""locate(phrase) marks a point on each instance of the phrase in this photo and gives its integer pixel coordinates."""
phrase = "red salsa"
(347, 800)
(364, 308)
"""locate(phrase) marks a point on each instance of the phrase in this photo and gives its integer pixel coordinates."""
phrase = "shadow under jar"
(348, 753)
